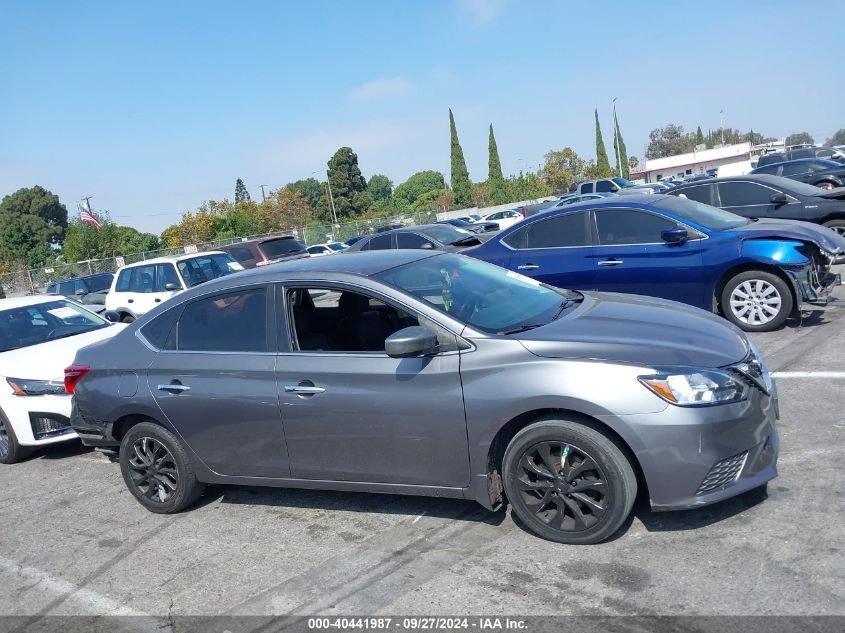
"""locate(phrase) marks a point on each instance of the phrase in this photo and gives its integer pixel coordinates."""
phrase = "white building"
(696, 162)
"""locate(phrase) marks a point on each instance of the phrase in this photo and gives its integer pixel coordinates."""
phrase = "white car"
(39, 337)
(504, 218)
(329, 248)
(138, 288)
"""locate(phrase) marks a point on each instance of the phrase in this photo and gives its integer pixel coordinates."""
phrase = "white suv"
(138, 288)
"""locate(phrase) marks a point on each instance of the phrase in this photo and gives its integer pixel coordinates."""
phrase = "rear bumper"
(90, 431)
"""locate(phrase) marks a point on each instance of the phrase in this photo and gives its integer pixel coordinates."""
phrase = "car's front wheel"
(756, 301)
(10, 450)
(157, 470)
(568, 482)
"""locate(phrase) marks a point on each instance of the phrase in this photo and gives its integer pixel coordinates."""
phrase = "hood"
(47, 361)
(641, 330)
(828, 240)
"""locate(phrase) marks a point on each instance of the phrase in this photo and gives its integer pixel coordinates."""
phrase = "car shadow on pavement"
(325, 500)
(700, 517)
(62, 450)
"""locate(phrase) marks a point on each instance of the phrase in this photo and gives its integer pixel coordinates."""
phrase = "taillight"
(73, 375)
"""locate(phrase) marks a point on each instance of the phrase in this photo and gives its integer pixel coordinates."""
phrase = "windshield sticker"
(64, 312)
(523, 278)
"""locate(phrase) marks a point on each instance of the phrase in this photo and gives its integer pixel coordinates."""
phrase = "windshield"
(796, 186)
(280, 247)
(42, 322)
(198, 270)
(701, 214)
(484, 296)
(622, 182)
(459, 222)
(445, 233)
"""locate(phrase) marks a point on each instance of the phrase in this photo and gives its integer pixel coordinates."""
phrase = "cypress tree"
(495, 180)
(241, 194)
(699, 137)
(461, 185)
(603, 169)
(621, 152)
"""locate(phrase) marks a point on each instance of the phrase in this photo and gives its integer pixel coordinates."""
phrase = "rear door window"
(243, 254)
(380, 243)
(699, 193)
(143, 279)
(412, 240)
(230, 322)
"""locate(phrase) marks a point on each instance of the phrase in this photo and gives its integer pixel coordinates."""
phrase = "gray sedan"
(426, 373)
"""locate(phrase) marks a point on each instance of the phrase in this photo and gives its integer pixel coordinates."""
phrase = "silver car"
(425, 373)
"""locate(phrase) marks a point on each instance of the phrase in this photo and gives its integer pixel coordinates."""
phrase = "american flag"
(87, 217)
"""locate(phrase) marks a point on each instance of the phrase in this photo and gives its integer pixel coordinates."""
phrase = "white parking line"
(90, 602)
(808, 374)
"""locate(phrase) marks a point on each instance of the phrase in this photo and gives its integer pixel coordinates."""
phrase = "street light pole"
(331, 199)
(263, 197)
(616, 139)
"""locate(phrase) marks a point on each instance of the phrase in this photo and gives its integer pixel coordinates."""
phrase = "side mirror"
(614, 189)
(675, 236)
(779, 198)
(411, 341)
(170, 287)
(80, 292)
(426, 245)
(111, 316)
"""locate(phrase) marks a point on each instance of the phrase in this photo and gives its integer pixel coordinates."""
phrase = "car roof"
(812, 159)
(172, 258)
(63, 279)
(777, 181)
(28, 300)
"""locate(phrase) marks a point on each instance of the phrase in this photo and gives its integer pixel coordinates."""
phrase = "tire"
(174, 485)
(550, 505)
(749, 298)
(836, 225)
(825, 185)
(127, 318)
(11, 451)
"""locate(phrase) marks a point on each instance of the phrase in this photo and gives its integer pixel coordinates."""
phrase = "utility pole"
(88, 202)
(616, 138)
(331, 198)
(263, 197)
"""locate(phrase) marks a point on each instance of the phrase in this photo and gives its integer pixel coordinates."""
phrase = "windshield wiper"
(568, 301)
(522, 328)
(462, 240)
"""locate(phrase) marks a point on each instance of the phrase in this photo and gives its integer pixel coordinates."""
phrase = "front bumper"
(692, 457)
(39, 420)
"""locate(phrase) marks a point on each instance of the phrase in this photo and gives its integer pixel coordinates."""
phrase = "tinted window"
(743, 194)
(124, 278)
(412, 240)
(702, 214)
(233, 322)
(802, 153)
(587, 187)
(281, 247)
(69, 288)
(380, 243)
(241, 253)
(625, 226)
(166, 274)
(604, 185)
(160, 331)
(197, 270)
(824, 153)
(699, 193)
(797, 168)
(143, 278)
(768, 159)
(560, 231)
(768, 169)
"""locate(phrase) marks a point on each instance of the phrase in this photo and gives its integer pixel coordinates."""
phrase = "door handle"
(528, 267)
(130, 301)
(158, 300)
(304, 390)
(611, 262)
(174, 388)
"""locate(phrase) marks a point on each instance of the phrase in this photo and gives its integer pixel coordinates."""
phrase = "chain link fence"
(36, 280)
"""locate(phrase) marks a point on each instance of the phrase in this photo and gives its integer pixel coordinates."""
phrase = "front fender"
(774, 252)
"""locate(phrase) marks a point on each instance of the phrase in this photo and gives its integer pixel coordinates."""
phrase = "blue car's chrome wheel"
(756, 302)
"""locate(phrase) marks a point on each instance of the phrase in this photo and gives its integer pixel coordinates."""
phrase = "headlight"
(696, 388)
(24, 387)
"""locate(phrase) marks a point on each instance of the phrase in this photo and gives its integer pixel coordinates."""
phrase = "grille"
(48, 424)
(723, 473)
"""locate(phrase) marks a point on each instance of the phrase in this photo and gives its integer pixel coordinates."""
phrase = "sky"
(153, 107)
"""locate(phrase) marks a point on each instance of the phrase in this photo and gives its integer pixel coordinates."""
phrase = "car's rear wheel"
(757, 301)
(836, 225)
(10, 450)
(157, 470)
(127, 318)
(568, 482)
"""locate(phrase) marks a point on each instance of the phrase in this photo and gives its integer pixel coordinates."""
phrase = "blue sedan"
(755, 272)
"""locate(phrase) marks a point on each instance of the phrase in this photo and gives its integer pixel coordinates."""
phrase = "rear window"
(98, 283)
(242, 254)
(197, 270)
(280, 247)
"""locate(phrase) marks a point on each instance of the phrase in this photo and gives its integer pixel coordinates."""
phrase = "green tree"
(310, 188)
(710, 143)
(346, 181)
(561, 169)
(461, 184)
(838, 138)
(799, 138)
(527, 187)
(498, 193)
(602, 162)
(380, 187)
(32, 221)
(633, 163)
(699, 136)
(241, 194)
(84, 241)
(418, 184)
(620, 150)
(669, 141)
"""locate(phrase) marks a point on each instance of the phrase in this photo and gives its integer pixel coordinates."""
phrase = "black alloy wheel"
(153, 469)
